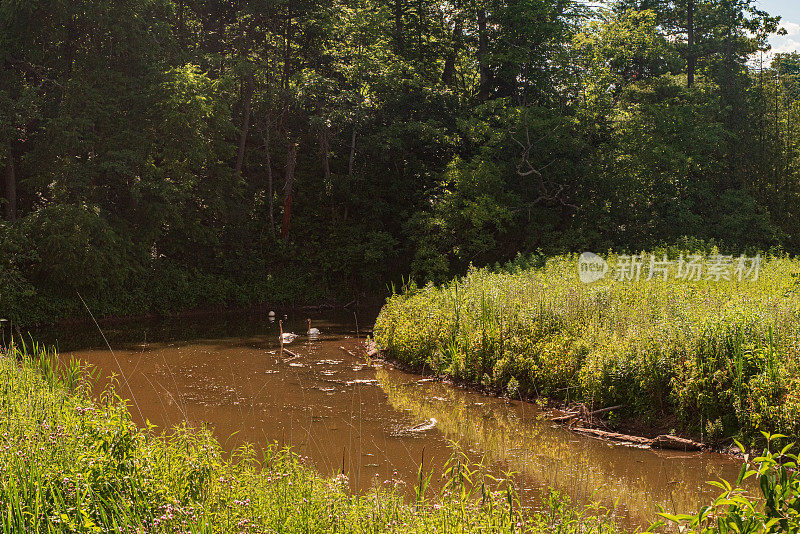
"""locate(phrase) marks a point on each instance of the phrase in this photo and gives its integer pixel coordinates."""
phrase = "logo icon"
(591, 267)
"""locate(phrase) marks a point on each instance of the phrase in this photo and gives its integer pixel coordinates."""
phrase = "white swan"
(286, 337)
(312, 332)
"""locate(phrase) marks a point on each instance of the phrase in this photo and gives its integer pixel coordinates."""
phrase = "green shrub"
(775, 510)
(720, 353)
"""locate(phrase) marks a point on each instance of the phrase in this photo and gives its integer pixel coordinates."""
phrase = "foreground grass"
(68, 464)
(721, 356)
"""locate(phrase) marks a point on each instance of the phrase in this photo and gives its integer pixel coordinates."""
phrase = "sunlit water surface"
(372, 422)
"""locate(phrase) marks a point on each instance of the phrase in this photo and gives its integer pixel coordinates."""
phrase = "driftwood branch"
(579, 414)
(613, 436)
(605, 410)
(664, 441)
(549, 191)
(351, 353)
(290, 353)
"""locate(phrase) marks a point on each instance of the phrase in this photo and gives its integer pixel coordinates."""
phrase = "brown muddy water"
(375, 423)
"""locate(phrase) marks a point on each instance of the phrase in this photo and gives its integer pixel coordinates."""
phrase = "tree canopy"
(159, 155)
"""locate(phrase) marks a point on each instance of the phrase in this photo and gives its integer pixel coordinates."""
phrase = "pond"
(372, 422)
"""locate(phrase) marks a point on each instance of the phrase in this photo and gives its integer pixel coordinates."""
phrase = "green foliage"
(158, 155)
(775, 510)
(719, 355)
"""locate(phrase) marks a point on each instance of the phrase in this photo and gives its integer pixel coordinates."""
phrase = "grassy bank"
(719, 358)
(68, 464)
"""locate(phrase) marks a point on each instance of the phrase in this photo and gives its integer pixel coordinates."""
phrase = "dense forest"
(159, 155)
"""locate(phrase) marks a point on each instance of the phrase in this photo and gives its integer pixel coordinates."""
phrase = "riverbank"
(707, 359)
(576, 416)
(71, 464)
(369, 308)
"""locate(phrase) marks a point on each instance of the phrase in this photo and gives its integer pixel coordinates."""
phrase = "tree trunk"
(483, 46)
(69, 45)
(248, 100)
(420, 26)
(399, 40)
(352, 154)
(10, 188)
(449, 71)
(270, 187)
(181, 26)
(287, 52)
(288, 188)
(325, 150)
(350, 164)
(690, 55)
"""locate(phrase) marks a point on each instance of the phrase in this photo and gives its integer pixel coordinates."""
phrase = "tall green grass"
(776, 510)
(71, 464)
(719, 357)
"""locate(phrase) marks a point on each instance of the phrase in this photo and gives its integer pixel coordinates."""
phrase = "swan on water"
(286, 337)
(312, 332)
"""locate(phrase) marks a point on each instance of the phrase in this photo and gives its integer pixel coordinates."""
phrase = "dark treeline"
(165, 154)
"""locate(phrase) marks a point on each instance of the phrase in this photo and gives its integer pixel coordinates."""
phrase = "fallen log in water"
(664, 441)
(613, 436)
(422, 427)
(565, 418)
(667, 441)
(430, 423)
